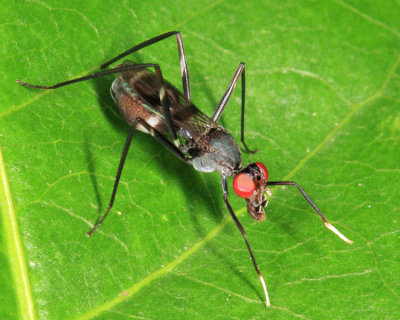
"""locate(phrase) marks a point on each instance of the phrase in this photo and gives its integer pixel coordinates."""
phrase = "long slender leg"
(163, 97)
(182, 57)
(118, 176)
(153, 132)
(241, 229)
(305, 195)
(225, 98)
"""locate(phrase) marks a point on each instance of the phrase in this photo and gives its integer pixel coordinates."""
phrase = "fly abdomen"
(132, 107)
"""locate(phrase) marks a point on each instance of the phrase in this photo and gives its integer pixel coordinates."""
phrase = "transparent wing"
(185, 116)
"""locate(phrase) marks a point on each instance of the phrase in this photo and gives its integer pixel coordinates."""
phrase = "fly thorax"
(219, 153)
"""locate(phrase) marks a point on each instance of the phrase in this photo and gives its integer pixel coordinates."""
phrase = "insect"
(152, 105)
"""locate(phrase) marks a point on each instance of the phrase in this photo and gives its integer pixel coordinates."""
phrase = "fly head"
(250, 184)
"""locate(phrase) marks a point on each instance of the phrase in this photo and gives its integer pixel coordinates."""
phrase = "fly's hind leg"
(162, 92)
(181, 51)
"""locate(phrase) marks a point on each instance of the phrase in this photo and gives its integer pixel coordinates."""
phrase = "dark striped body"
(208, 146)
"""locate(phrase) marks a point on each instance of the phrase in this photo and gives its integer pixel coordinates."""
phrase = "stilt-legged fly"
(150, 104)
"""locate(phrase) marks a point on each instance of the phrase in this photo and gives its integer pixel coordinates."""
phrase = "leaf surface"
(322, 93)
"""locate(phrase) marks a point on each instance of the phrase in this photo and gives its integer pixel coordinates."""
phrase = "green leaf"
(323, 103)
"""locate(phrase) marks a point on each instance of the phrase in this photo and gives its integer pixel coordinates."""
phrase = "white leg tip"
(267, 302)
(337, 232)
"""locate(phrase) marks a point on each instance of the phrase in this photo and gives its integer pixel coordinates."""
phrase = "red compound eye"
(263, 170)
(243, 185)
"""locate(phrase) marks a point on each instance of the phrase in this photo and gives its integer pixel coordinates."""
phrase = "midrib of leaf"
(14, 247)
(172, 265)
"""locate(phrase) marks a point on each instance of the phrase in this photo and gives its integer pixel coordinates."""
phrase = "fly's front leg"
(240, 72)
(241, 229)
(181, 51)
(313, 205)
